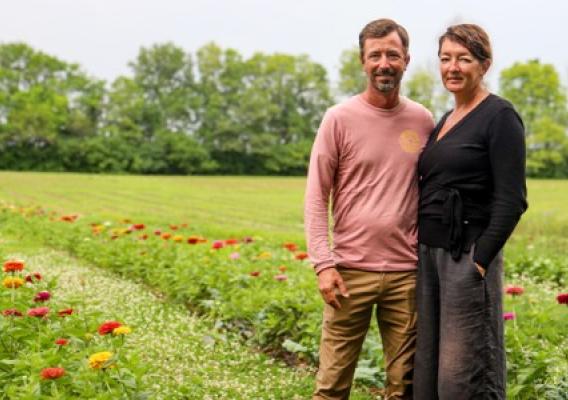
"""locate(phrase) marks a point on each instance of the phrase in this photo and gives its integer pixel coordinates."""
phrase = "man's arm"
(324, 161)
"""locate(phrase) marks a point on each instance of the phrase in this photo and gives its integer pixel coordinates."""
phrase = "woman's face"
(461, 72)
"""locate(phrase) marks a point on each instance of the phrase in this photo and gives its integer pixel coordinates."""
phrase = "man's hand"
(481, 270)
(328, 280)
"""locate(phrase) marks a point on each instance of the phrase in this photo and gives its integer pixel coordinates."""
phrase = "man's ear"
(407, 61)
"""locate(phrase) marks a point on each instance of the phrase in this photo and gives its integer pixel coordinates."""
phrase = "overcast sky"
(103, 35)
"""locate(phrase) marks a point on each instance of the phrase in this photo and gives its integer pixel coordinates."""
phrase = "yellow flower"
(99, 360)
(121, 330)
(12, 282)
(177, 238)
(265, 255)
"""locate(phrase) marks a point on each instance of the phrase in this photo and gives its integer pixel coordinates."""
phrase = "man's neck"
(381, 100)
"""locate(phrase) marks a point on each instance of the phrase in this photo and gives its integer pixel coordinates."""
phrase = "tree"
(538, 96)
(352, 78)
(43, 102)
(424, 87)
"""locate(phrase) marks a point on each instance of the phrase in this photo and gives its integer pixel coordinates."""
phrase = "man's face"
(384, 61)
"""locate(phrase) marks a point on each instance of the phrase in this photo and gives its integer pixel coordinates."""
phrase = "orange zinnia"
(13, 266)
(52, 373)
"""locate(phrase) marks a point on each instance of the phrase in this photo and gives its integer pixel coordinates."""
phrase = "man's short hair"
(381, 28)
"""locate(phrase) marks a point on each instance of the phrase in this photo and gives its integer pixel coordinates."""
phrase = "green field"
(268, 313)
(271, 207)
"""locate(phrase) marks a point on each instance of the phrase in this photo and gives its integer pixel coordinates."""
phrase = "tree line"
(217, 112)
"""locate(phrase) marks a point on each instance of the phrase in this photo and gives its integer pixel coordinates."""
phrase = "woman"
(472, 180)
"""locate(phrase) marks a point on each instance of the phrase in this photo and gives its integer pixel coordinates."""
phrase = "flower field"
(238, 262)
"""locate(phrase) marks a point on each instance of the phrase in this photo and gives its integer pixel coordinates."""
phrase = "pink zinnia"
(514, 290)
(235, 256)
(280, 277)
(562, 298)
(42, 296)
(508, 316)
(38, 312)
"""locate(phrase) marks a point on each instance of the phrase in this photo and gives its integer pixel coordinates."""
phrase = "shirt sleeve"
(321, 173)
(507, 158)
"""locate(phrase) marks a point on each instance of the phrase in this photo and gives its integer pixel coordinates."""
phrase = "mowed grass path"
(269, 207)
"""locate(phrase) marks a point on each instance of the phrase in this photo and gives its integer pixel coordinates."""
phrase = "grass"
(271, 207)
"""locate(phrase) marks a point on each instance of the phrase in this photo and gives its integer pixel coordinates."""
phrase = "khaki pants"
(344, 331)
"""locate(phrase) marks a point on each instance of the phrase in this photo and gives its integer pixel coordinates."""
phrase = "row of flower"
(264, 290)
(53, 348)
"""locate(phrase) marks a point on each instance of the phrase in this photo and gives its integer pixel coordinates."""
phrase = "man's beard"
(386, 87)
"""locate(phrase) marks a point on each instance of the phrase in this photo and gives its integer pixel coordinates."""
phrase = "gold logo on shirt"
(409, 141)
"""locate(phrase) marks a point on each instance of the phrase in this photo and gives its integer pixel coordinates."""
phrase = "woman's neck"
(468, 100)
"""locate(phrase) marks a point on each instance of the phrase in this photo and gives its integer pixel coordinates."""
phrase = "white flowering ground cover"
(184, 356)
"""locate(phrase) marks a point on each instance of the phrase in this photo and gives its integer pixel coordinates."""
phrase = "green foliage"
(536, 92)
(424, 87)
(352, 78)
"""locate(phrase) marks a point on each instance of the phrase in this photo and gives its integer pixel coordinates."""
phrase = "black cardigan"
(472, 182)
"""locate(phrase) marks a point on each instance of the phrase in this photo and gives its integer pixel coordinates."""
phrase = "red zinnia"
(143, 237)
(67, 311)
(12, 312)
(302, 255)
(193, 239)
(217, 244)
(230, 242)
(562, 298)
(173, 227)
(38, 312)
(139, 227)
(255, 273)
(514, 290)
(248, 239)
(42, 296)
(157, 232)
(13, 266)
(290, 246)
(166, 235)
(108, 327)
(52, 373)
(35, 275)
(62, 342)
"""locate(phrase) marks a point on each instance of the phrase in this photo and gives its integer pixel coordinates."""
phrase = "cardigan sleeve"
(506, 142)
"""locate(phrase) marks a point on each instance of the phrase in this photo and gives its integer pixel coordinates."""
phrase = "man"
(365, 155)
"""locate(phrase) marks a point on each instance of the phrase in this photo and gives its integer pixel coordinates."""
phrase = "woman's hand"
(481, 270)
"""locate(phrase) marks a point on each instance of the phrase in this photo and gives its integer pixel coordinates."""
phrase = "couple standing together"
(420, 215)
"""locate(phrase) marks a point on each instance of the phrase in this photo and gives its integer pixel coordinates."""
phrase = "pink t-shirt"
(366, 157)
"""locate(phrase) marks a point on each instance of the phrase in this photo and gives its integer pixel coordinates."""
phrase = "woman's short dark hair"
(470, 36)
(381, 28)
